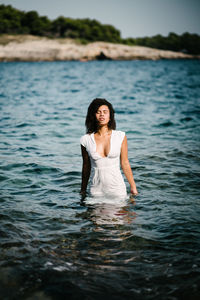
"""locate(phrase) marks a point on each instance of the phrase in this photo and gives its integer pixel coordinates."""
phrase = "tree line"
(14, 21)
(186, 43)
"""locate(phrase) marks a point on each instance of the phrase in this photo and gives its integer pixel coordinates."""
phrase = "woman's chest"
(109, 148)
(102, 144)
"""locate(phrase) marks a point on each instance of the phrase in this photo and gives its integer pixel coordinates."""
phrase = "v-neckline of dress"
(96, 145)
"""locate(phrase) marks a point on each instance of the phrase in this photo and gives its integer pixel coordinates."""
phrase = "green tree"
(14, 21)
(190, 43)
(10, 19)
(59, 26)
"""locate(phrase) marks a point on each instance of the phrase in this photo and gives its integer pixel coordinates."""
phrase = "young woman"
(103, 148)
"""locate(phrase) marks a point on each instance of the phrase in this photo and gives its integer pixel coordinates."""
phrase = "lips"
(101, 119)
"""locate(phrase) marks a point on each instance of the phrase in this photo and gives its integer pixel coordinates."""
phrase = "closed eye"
(104, 111)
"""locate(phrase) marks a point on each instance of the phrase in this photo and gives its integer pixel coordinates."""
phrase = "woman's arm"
(126, 166)
(86, 168)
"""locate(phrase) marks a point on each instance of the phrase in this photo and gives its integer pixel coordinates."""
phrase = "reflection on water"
(110, 211)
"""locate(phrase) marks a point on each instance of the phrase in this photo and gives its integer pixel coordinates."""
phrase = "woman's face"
(103, 115)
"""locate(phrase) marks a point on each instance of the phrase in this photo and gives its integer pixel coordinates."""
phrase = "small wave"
(128, 97)
(75, 90)
(186, 119)
(37, 168)
(166, 124)
(126, 112)
(180, 96)
(23, 124)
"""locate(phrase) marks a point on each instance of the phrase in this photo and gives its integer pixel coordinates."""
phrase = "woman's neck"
(104, 130)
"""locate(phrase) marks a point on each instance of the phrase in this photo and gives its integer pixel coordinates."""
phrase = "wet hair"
(91, 122)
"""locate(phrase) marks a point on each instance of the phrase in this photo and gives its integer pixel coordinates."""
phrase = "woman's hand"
(134, 190)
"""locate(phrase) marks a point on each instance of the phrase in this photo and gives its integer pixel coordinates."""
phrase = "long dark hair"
(91, 121)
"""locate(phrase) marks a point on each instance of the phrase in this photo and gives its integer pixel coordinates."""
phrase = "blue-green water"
(53, 246)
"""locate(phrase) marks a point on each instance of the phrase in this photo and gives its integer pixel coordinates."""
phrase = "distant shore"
(32, 48)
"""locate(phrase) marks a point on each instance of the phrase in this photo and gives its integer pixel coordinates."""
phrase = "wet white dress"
(106, 178)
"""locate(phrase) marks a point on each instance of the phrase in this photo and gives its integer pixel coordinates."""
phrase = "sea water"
(53, 245)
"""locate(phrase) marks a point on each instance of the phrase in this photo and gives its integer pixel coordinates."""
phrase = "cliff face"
(42, 49)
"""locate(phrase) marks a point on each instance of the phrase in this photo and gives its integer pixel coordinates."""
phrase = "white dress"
(106, 178)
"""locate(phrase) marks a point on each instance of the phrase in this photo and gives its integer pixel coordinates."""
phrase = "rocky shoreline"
(31, 48)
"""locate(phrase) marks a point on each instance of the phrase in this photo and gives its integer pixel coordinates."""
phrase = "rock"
(102, 56)
(27, 48)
